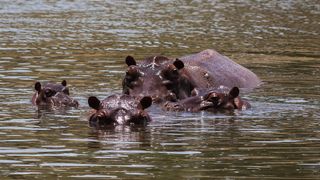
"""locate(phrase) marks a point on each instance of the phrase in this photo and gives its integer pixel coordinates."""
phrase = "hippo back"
(211, 69)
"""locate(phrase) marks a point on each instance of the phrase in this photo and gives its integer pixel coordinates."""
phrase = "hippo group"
(206, 81)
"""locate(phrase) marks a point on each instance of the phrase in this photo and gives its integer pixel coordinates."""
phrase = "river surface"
(85, 42)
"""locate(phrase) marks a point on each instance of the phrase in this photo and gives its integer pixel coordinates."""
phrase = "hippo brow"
(56, 94)
(153, 64)
(64, 96)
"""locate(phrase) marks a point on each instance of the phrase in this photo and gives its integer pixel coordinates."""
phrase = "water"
(85, 42)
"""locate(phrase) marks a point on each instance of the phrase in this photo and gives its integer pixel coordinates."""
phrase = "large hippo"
(170, 79)
(214, 100)
(119, 110)
(53, 95)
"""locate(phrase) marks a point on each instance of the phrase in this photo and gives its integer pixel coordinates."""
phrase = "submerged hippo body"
(211, 69)
(168, 79)
(213, 100)
(53, 95)
(119, 110)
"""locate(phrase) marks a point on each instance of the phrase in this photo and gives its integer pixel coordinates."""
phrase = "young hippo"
(157, 77)
(213, 100)
(119, 110)
(53, 95)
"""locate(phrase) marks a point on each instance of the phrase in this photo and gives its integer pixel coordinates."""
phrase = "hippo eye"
(175, 72)
(49, 92)
(170, 73)
(66, 91)
(139, 119)
(132, 71)
(229, 106)
(104, 120)
(214, 99)
(132, 74)
(169, 84)
(99, 118)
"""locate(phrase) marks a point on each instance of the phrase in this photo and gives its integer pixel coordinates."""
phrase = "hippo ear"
(145, 102)
(130, 61)
(64, 83)
(234, 92)
(37, 86)
(178, 64)
(94, 102)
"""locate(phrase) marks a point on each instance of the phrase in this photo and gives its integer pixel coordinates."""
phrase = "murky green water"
(85, 42)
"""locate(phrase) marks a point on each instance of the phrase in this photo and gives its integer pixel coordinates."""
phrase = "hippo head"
(209, 100)
(53, 94)
(119, 110)
(158, 77)
(214, 100)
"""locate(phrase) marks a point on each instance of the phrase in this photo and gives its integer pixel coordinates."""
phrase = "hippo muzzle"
(119, 110)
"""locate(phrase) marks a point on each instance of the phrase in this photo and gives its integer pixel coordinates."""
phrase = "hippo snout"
(121, 116)
(119, 110)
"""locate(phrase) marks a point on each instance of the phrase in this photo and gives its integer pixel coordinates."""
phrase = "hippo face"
(158, 77)
(53, 95)
(119, 110)
(210, 100)
(218, 101)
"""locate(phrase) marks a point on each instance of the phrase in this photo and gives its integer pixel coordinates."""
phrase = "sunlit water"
(85, 42)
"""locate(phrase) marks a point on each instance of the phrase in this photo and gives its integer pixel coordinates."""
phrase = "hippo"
(157, 77)
(119, 110)
(53, 95)
(214, 100)
(172, 79)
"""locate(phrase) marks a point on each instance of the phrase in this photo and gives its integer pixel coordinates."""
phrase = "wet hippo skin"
(171, 79)
(211, 69)
(214, 100)
(53, 95)
(157, 77)
(119, 110)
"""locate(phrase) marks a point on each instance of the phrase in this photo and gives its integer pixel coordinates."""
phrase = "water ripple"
(148, 152)
(31, 150)
(86, 42)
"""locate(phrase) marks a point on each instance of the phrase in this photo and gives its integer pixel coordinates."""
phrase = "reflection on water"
(85, 42)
